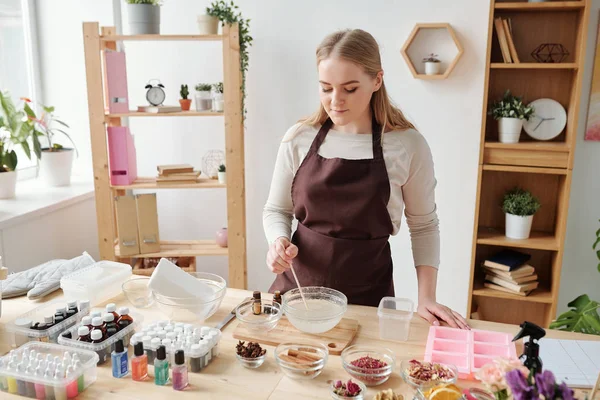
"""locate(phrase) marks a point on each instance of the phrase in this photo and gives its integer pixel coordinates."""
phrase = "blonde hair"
(360, 48)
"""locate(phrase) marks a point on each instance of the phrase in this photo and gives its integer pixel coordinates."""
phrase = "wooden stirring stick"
(595, 389)
(299, 287)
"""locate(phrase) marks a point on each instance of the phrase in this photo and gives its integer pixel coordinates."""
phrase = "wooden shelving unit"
(96, 41)
(544, 168)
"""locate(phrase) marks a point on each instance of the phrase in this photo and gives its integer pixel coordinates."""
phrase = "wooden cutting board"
(336, 339)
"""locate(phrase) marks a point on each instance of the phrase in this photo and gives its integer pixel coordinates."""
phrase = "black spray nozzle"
(532, 330)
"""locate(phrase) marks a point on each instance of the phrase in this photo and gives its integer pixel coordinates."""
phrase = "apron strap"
(377, 142)
(318, 141)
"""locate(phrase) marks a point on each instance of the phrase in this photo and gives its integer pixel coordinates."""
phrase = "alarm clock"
(548, 120)
(155, 94)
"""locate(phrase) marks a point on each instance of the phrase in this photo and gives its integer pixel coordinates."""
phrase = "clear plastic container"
(26, 382)
(99, 282)
(104, 348)
(395, 314)
(21, 333)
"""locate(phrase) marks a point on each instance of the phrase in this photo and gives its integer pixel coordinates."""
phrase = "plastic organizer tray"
(197, 357)
(25, 383)
(104, 348)
(468, 350)
(22, 335)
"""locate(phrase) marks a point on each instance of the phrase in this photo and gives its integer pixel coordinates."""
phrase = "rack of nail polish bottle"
(47, 371)
(199, 343)
(45, 323)
(104, 348)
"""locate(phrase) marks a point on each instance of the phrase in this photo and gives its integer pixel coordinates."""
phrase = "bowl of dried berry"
(423, 375)
(341, 390)
(301, 360)
(250, 355)
(369, 365)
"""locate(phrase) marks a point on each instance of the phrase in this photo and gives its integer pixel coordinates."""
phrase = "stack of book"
(508, 271)
(177, 173)
(503, 28)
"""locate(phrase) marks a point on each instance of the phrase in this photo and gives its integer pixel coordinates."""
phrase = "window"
(19, 72)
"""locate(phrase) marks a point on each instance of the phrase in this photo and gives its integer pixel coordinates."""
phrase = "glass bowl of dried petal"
(349, 390)
(423, 375)
(369, 365)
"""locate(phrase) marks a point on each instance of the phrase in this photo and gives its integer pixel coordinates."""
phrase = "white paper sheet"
(576, 362)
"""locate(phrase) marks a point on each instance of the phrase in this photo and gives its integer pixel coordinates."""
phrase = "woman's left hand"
(433, 312)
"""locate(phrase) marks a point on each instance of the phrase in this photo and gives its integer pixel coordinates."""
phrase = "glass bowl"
(251, 362)
(306, 361)
(138, 293)
(265, 321)
(422, 385)
(325, 308)
(194, 308)
(360, 396)
(368, 376)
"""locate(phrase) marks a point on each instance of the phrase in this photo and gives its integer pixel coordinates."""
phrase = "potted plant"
(208, 24)
(218, 101)
(432, 64)
(15, 130)
(222, 174)
(184, 101)
(143, 17)
(519, 205)
(510, 112)
(56, 161)
(202, 97)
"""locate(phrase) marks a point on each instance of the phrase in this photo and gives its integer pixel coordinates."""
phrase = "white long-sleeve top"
(411, 173)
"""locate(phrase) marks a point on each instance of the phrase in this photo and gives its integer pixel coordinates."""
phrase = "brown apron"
(343, 224)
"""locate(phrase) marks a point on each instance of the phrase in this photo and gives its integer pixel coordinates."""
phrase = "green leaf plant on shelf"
(14, 131)
(519, 206)
(510, 112)
(228, 13)
(583, 316)
(184, 101)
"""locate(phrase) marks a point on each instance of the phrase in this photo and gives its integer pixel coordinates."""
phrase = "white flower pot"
(518, 227)
(509, 129)
(144, 19)
(203, 101)
(432, 68)
(208, 25)
(56, 166)
(222, 177)
(8, 184)
(218, 102)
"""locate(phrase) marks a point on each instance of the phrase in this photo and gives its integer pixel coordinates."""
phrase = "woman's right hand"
(280, 255)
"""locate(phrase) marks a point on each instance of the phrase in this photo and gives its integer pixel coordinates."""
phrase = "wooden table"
(225, 378)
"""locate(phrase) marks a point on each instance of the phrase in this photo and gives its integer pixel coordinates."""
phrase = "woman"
(346, 173)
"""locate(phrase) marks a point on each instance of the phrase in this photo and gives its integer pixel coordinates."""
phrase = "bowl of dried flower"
(423, 375)
(341, 390)
(369, 365)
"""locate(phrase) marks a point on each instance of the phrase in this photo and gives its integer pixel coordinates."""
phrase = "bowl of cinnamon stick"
(301, 360)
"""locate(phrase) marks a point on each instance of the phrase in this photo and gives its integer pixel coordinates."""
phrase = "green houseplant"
(432, 64)
(218, 101)
(202, 97)
(519, 206)
(583, 314)
(222, 174)
(143, 16)
(510, 112)
(228, 13)
(184, 101)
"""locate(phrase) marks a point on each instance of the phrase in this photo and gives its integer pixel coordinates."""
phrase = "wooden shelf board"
(546, 6)
(430, 77)
(537, 240)
(183, 248)
(530, 146)
(539, 295)
(116, 38)
(573, 66)
(151, 183)
(134, 113)
(529, 170)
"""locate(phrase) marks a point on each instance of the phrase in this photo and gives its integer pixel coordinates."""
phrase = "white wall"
(579, 272)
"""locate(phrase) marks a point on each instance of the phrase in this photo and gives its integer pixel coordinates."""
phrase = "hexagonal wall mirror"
(432, 50)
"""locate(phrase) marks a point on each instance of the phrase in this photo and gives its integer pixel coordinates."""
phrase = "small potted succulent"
(222, 174)
(184, 101)
(218, 101)
(143, 16)
(510, 112)
(519, 205)
(432, 64)
(203, 97)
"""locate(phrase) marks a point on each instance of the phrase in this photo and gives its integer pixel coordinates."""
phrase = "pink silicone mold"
(467, 350)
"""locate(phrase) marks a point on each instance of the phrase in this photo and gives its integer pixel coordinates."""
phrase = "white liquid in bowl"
(321, 316)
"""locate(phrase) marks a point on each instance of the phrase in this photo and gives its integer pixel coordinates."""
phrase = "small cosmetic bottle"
(120, 366)
(139, 363)
(161, 366)
(180, 371)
